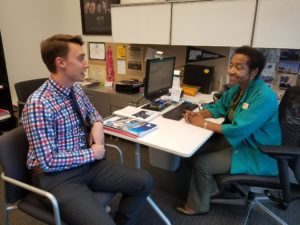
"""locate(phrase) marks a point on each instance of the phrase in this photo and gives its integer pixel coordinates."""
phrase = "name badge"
(245, 105)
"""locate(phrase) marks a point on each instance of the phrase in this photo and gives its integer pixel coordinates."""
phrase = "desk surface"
(176, 137)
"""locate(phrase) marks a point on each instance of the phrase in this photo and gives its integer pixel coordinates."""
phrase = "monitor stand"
(156, 106)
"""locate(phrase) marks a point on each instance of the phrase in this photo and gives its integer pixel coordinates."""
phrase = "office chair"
(287, 156)
(18, 191)
(24, 89)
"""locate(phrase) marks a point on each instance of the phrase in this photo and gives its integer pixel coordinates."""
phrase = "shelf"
(7, 120)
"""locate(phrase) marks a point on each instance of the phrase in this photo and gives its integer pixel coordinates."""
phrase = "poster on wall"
(287, 80)
(96, 16)
(288, 68)
(268, 73)
(135, 58)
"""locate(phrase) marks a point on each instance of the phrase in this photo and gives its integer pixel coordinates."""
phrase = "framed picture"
(96, 16)
(96, 51)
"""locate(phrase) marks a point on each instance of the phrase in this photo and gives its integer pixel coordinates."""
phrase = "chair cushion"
(253, 181)
(34, 206)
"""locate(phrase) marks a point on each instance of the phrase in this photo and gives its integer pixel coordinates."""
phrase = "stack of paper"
(129, 127)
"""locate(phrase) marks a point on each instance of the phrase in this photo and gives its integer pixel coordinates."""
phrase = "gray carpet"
(169, 191)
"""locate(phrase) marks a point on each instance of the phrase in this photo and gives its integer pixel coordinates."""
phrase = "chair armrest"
(118, 150)
(21, 103)
(38, 191)
(277, 150)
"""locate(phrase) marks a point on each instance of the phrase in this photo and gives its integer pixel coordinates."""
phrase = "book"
(128, 126)
(4, 114)
(137, 113)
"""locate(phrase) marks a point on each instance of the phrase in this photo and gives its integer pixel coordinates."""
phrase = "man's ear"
(60, 62)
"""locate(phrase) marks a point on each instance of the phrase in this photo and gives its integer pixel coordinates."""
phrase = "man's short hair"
(57, 46)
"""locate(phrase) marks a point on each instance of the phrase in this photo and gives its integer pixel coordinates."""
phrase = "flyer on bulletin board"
(97, 72)
(121, 51)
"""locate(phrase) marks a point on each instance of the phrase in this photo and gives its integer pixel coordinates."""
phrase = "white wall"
(24, 24)
(139, 1)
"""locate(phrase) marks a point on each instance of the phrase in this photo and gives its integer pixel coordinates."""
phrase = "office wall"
(24, 24)
(138, 1)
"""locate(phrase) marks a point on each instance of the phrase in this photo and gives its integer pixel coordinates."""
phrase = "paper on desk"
(176, 82)
(137, 113)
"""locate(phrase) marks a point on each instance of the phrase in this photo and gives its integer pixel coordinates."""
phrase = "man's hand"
(99, 150)
(97, 134)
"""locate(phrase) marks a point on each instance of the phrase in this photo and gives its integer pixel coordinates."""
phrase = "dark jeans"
(74, 189)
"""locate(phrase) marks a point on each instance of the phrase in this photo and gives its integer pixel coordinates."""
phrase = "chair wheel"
(251, 195)
(283, 205)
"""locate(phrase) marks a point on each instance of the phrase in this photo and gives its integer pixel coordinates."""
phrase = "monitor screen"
(158, 77)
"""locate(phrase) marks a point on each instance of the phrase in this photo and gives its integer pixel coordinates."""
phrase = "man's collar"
(62, 89)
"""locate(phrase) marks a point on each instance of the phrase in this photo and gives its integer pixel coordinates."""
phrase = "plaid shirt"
(53, 128)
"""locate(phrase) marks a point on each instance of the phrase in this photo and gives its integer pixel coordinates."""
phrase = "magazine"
(137, 113)
(128, 126)
(4, 114)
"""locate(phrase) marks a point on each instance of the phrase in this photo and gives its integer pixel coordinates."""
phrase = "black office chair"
(18, 191)
(24, 89)
(287, 156)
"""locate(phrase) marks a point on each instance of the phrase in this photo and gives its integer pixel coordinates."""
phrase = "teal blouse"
(255, 122)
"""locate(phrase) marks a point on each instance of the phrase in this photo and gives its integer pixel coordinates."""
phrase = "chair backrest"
(25, 88)
(13, 155)
(289, 117)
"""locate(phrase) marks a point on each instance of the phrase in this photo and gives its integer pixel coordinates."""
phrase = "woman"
(250, 109)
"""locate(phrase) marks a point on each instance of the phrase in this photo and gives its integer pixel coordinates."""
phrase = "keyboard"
(177, 112)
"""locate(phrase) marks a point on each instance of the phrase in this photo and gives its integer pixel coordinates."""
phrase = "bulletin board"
(128, 63)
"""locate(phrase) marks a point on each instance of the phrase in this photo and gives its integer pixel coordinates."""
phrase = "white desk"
(176, 137)
(172, 136)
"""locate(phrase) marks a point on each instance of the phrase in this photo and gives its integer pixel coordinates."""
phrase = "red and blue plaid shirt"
(56, 137)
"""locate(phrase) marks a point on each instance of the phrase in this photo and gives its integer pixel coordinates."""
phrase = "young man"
(61, 158)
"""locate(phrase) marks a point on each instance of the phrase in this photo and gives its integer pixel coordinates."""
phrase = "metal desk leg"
(150, 201)
(137, 156)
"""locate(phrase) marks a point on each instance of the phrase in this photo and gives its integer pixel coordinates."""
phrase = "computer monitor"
(158, 78)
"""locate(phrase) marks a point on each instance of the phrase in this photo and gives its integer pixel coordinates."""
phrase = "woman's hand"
(194, 118)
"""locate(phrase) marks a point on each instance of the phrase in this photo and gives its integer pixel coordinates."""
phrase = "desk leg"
(137, 156)
(149, 200)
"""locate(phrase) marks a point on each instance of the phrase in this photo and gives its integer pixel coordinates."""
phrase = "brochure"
(137, 113)
(128, 126)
